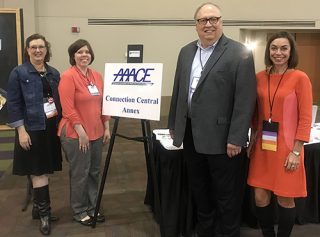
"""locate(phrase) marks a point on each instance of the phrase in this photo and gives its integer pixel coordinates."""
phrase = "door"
(10, 49)
(308, 45)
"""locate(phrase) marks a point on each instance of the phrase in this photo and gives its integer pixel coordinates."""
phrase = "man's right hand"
(171, 131)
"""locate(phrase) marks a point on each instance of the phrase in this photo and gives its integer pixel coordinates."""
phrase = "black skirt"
(44, 157)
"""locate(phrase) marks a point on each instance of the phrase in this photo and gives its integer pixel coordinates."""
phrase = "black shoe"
(85, 221)
(100, 218)
(45, 226)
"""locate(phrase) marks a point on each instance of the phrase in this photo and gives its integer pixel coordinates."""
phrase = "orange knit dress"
(292, 108)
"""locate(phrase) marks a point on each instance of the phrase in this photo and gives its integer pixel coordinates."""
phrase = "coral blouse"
(79, 106)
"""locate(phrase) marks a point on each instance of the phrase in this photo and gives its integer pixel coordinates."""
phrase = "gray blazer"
(222, 103)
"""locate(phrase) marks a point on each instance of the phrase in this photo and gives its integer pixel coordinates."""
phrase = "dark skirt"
(44, 157)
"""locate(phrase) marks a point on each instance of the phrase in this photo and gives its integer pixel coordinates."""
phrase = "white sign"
(134, 54)
(132, 90)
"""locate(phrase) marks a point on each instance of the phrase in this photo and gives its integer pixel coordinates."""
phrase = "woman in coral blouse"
(281, 125)
(83, 130)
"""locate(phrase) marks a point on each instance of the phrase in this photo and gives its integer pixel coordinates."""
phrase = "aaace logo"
(133, 76)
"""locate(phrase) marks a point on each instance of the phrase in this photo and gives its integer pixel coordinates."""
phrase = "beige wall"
(232, 9)
(28, 13)
(55, 18)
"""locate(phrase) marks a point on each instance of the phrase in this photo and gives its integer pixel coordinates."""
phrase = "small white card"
(134, 54)
(50, 108)
(194, 83)
(93, 90)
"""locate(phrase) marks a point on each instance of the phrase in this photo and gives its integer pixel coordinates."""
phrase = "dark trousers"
(217, 183)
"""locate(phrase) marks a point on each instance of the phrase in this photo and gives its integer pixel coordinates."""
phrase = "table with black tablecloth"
(175, 196)
(308, 209)
(176, 202)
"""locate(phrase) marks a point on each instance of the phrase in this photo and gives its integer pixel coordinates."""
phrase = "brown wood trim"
(5, 127)
(18, 30)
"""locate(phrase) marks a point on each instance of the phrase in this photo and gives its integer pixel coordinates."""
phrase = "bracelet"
(296, 153)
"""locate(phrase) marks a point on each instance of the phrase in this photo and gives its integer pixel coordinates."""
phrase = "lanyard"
(213, 47)
(201, 60)
(47, 91)
(274, 95)
(85, 77)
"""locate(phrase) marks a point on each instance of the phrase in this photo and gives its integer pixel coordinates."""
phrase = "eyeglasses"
(212, 20)
(34, 47)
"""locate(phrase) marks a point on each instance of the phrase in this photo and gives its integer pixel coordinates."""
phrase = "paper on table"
(314, 134)
(163, 136)
(161, 133)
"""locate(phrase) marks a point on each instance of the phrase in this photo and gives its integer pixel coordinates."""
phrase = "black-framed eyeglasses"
(212, 20)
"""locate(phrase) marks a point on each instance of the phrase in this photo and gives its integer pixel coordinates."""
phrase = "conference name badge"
(50, 107)
(93, 90)
(269, 135)
(194, 83)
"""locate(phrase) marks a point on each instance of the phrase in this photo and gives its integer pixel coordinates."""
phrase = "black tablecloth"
(175, 196)
(308, 209)
(176, 202)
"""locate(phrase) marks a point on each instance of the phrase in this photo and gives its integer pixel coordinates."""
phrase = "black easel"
(148, 149)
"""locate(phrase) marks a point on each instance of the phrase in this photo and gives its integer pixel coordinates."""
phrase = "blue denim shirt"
(25, 96)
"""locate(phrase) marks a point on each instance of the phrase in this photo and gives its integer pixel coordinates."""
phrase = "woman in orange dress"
(281, 125)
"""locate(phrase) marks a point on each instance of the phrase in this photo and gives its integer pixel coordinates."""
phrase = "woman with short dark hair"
(83, 129)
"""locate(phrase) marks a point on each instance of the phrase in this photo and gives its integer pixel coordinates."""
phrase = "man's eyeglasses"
(212, 20)
(40, 47)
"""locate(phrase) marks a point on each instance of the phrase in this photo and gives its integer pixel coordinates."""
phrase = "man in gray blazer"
(212, 103)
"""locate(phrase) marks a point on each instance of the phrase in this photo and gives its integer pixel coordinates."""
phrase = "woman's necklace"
(41, 69)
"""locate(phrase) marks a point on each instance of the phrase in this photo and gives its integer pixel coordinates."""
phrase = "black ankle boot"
(265, 218)
(287, 217)
(45, 225)
(36, 216)
(42, 198)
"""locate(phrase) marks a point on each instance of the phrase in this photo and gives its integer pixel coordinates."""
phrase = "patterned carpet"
(6, 150)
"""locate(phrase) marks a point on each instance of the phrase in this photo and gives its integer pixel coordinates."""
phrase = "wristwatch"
(296, 153)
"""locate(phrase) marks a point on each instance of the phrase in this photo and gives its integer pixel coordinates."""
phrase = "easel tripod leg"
(105, 172)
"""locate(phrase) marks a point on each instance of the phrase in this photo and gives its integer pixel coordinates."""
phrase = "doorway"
(11, 40)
